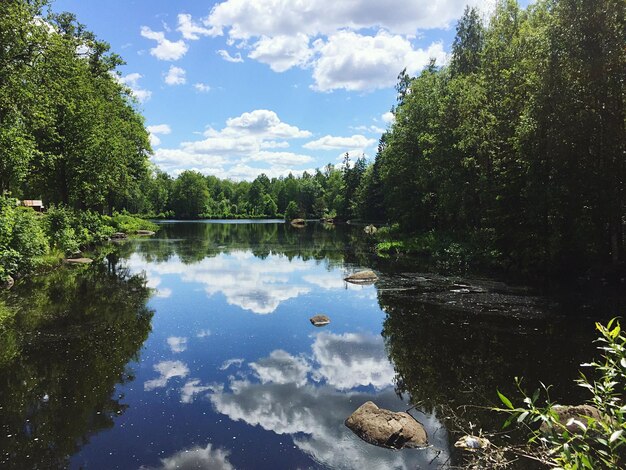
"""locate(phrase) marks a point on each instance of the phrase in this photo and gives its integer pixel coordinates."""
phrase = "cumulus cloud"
(191, 30)
(354, 62)
(282, 52)
(167, 370)
(165, 49)
(194, 387)
(245, 139)
(156, 130)
(132, 81)
(177, 344)
(282, 368)
(175, 76)
(352, 360)
(236, 59)
(344, 53)
(388, 117)
(202, 87)
(244, 19)
(328, 142)
(207, 458)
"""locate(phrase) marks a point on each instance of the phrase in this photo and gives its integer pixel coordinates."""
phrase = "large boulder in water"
(298, 223)
(119, 236)
(362, 277)
(570, 416)
(386, 428)
(145, 233)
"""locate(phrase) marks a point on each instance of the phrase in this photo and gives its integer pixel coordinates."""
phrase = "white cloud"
(175, 76)
(155, 131)
(132, 81)
(352, 360)
(167, 370)
(236, 59)
(203, 333)
(205, 458)
(354, 62)
(191, 30)
(202, 87)
(282, 52)
(165, 49)
(231, 362)
(244, 19)
(281, 368)
(266, 124)
(193, 387)
(177, 343)
(388, 117)
(244, 139)
(328, 142)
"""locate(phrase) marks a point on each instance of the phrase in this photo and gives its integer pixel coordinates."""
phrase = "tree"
(190, 196)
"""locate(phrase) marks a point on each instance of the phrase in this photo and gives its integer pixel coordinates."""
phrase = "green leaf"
(615, 436)
(505, 400)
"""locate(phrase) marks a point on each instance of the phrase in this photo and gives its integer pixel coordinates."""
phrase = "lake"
(193, 349)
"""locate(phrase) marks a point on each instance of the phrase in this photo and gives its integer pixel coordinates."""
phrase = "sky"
(236, 88)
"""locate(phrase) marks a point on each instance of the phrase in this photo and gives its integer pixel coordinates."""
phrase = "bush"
(292, 211)
(598, 443)
(22, 238)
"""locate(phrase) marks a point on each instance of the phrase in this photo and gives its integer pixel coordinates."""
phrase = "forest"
(514, 148)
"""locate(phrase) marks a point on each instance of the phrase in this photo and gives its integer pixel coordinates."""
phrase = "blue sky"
(235, 88)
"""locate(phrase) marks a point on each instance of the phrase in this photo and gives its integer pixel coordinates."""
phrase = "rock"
(119, 236)
(319, 320)
(298, 222)
(362, 277)
(386, 428)
(370, 229)
(146, 233)
(328, 220)
(78, 260)
(472, 443)
(7, 283)
(569, 414)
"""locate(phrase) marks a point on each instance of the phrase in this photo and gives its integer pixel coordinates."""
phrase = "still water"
(193, 349)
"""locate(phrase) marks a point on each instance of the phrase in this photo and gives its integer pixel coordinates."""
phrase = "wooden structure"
(35, 204)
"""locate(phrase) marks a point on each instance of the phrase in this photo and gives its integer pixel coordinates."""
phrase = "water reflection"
(75, 332)
(309, 398)
(232, 374)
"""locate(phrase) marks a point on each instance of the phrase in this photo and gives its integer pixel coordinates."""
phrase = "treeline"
(518, 145)
(70, 132)
(330, 192)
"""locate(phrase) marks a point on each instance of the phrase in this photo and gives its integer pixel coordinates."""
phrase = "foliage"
(292, 211)
(22, 238)
(518, 143)
(598, 442)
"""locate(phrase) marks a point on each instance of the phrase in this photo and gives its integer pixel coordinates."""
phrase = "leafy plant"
(591, 440)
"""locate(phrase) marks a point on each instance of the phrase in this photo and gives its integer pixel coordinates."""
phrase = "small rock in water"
(146, 233)
(319, 320)
(298, 223)
(472, 443)
(118, 236)
(362, 277)
(386, 428)
(370, 229)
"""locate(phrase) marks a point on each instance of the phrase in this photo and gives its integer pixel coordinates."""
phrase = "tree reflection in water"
(72, 335)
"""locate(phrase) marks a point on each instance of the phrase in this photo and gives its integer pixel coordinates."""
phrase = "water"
(193, 349)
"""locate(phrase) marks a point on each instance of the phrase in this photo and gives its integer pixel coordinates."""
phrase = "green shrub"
(22, 238)
(598, 443)
(292, 211)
